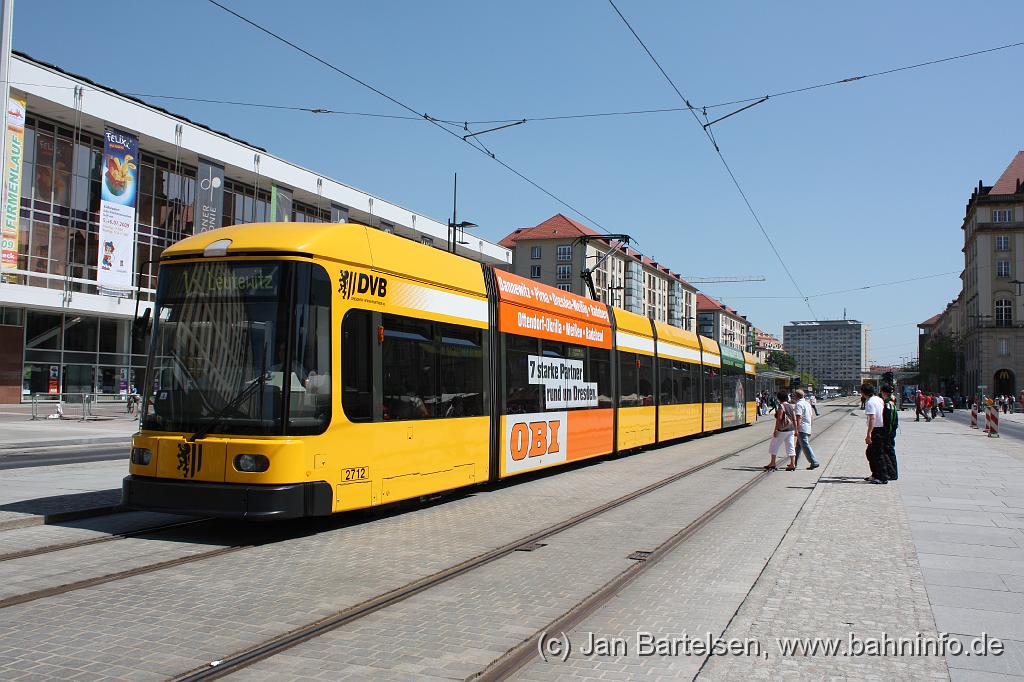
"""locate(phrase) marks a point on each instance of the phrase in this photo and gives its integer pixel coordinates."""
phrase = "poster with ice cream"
(117, 213)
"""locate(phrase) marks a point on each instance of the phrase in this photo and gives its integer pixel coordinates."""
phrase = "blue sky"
(857, 184)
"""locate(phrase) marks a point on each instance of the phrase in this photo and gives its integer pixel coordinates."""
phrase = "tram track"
(75, 544)
(286, 641)
(526, 651)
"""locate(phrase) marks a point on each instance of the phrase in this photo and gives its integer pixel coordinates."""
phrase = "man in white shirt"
(804, 421)
(874, 410)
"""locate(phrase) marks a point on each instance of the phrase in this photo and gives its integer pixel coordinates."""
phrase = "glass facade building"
(61, 333)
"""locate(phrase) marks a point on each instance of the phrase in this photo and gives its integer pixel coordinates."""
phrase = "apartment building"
(557, 250)
(992, 300)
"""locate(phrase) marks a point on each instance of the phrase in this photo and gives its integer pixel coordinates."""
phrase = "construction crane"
(717, 280)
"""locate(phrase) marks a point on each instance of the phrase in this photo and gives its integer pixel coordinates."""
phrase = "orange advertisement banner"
(517, 319)
(522, 291)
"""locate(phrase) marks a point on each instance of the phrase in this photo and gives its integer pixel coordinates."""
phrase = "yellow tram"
(309, 369)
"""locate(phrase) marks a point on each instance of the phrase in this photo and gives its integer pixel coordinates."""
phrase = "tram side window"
(521, 396)
(310, 400)
(462, 370)
(600, 368)
(712, 385)
(667, 382)
(686, 380)
(628, 373)
(646, 392)
(409, 359)
(357, 366)
(748, 388)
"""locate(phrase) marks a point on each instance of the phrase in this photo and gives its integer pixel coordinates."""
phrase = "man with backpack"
(890, 424)
(874, 410)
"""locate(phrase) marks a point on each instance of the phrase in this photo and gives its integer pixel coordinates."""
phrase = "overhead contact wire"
(408, 108)
(718, 151)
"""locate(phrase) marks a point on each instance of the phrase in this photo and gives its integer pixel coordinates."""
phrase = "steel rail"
(59, 547)
(120, 575)
(276, 645)
(524, 652)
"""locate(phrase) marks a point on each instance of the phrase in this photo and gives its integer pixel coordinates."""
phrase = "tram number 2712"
(355, 474)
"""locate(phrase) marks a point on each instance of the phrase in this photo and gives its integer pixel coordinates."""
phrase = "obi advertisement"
(117, 213)
(11, 201)
(542, 439)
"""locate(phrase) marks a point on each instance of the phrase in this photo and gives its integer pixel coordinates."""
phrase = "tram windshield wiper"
(248, 390)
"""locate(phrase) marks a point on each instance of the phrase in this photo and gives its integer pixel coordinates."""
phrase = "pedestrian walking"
(814, 403)
(890, 423)
(933, 406)
(1006, 403)
(782, 436)
(804, 426)
(920, 404)
(874, 410)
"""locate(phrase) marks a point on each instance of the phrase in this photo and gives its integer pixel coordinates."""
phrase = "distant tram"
(309, 369)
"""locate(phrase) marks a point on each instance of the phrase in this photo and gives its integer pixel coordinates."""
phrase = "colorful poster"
(209, 206)
(11, 196)
(116, 257)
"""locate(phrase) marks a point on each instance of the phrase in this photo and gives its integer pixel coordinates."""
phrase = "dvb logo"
(351, 282)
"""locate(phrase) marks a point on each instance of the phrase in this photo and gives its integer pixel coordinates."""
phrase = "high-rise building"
(834, 351)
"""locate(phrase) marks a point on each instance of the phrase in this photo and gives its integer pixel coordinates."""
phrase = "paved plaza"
(803, 555)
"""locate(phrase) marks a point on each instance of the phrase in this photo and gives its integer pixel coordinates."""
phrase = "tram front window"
(236, 345)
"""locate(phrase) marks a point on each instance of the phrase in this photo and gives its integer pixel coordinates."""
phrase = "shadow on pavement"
(57, 504)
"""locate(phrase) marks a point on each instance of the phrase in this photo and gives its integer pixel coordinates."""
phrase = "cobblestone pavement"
(847, 569)
(160, 624)
(41, 491)
(36, 537)
(456, 629)
(696, 589)
(964, 496)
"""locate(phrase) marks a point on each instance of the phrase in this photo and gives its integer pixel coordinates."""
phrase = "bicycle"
(133, 404)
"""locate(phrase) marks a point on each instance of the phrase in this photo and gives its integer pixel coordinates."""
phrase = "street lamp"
(456, 230)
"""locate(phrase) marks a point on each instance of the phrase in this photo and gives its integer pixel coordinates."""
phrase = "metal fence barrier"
(84, 406)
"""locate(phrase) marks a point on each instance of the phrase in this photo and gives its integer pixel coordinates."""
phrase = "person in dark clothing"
(890, 423)
(875, 439)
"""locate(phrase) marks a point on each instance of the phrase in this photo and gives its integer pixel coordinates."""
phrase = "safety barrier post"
(988, 418)
(974, 415)
(35, 406)
(994, 431)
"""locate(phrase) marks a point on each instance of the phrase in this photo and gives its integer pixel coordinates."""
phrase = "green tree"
(938, 359)
(783, 360)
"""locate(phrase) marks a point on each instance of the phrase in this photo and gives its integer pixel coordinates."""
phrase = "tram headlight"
(142, 456)
(251, 463)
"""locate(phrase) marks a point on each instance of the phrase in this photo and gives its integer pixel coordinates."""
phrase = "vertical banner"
(209, 208)
(11, 196)
(116, 254)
